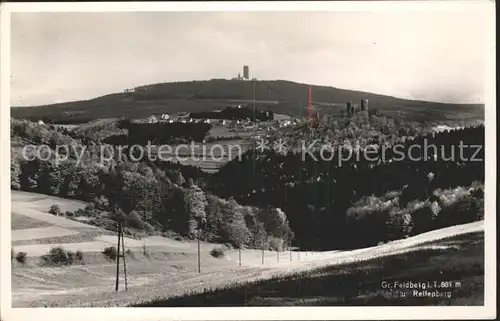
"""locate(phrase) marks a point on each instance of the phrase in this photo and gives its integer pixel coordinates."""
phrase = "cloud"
(419, 55)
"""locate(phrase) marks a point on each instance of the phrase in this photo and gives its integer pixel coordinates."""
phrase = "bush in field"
(90, 210)
(110, 253)
(21, 257)
(217, 253)
(69, 214)
(55, 209)
(59, 256)
(71, 257)
(79, 256)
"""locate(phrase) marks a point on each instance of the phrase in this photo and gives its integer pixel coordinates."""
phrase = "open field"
(452, 268)
(19, 222)
(210, 157)
(170, 268)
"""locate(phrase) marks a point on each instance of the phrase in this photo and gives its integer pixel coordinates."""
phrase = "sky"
(424, 55)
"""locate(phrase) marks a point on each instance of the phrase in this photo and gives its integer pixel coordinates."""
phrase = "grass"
(84, 236)
(21, 222)
(360, 284)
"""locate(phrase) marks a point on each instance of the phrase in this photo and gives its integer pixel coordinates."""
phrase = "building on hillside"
(364, 104)
(152, 119)
(246, 72)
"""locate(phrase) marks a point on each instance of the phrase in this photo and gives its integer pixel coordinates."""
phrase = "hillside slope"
(279, 96)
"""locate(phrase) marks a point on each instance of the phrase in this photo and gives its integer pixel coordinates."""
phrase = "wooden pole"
(278, 256)
(254, 101)
(262, 254)
(124, 262)
(199, 257)
(239, 252)
(118, 257)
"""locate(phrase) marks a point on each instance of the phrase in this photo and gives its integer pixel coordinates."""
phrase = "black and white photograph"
(238, 155)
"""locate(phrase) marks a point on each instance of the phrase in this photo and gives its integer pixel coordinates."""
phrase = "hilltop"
(279, 96)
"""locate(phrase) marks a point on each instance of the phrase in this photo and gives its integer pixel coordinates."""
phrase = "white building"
(152, 119)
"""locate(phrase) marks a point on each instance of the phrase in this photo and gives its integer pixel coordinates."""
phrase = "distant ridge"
(279, 96)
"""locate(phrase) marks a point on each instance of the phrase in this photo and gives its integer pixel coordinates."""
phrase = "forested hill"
(278, 96)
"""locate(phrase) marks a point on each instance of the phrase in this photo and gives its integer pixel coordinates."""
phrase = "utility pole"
(120, 252)
(254, 82)
(239, 253)
(277, 256)
(254, 128)
(124, 261)
(262, 253)
(199, 257)
(118, 258)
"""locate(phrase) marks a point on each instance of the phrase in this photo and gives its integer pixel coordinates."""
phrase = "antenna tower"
(309, 107)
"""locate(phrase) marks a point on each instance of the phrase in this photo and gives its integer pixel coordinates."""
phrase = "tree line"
(148, 196)
(320, 197)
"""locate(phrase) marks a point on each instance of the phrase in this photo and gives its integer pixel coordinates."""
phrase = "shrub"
(217, 253)
(58, 256)
(79, 256)
(21, 257)
(110, 253)
(79, 212)
(71, 257)
(90, 207)
(102, 202)
(134, 220)
(69, 214)
(55, 209)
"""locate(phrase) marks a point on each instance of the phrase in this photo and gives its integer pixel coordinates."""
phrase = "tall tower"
(246, 72)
